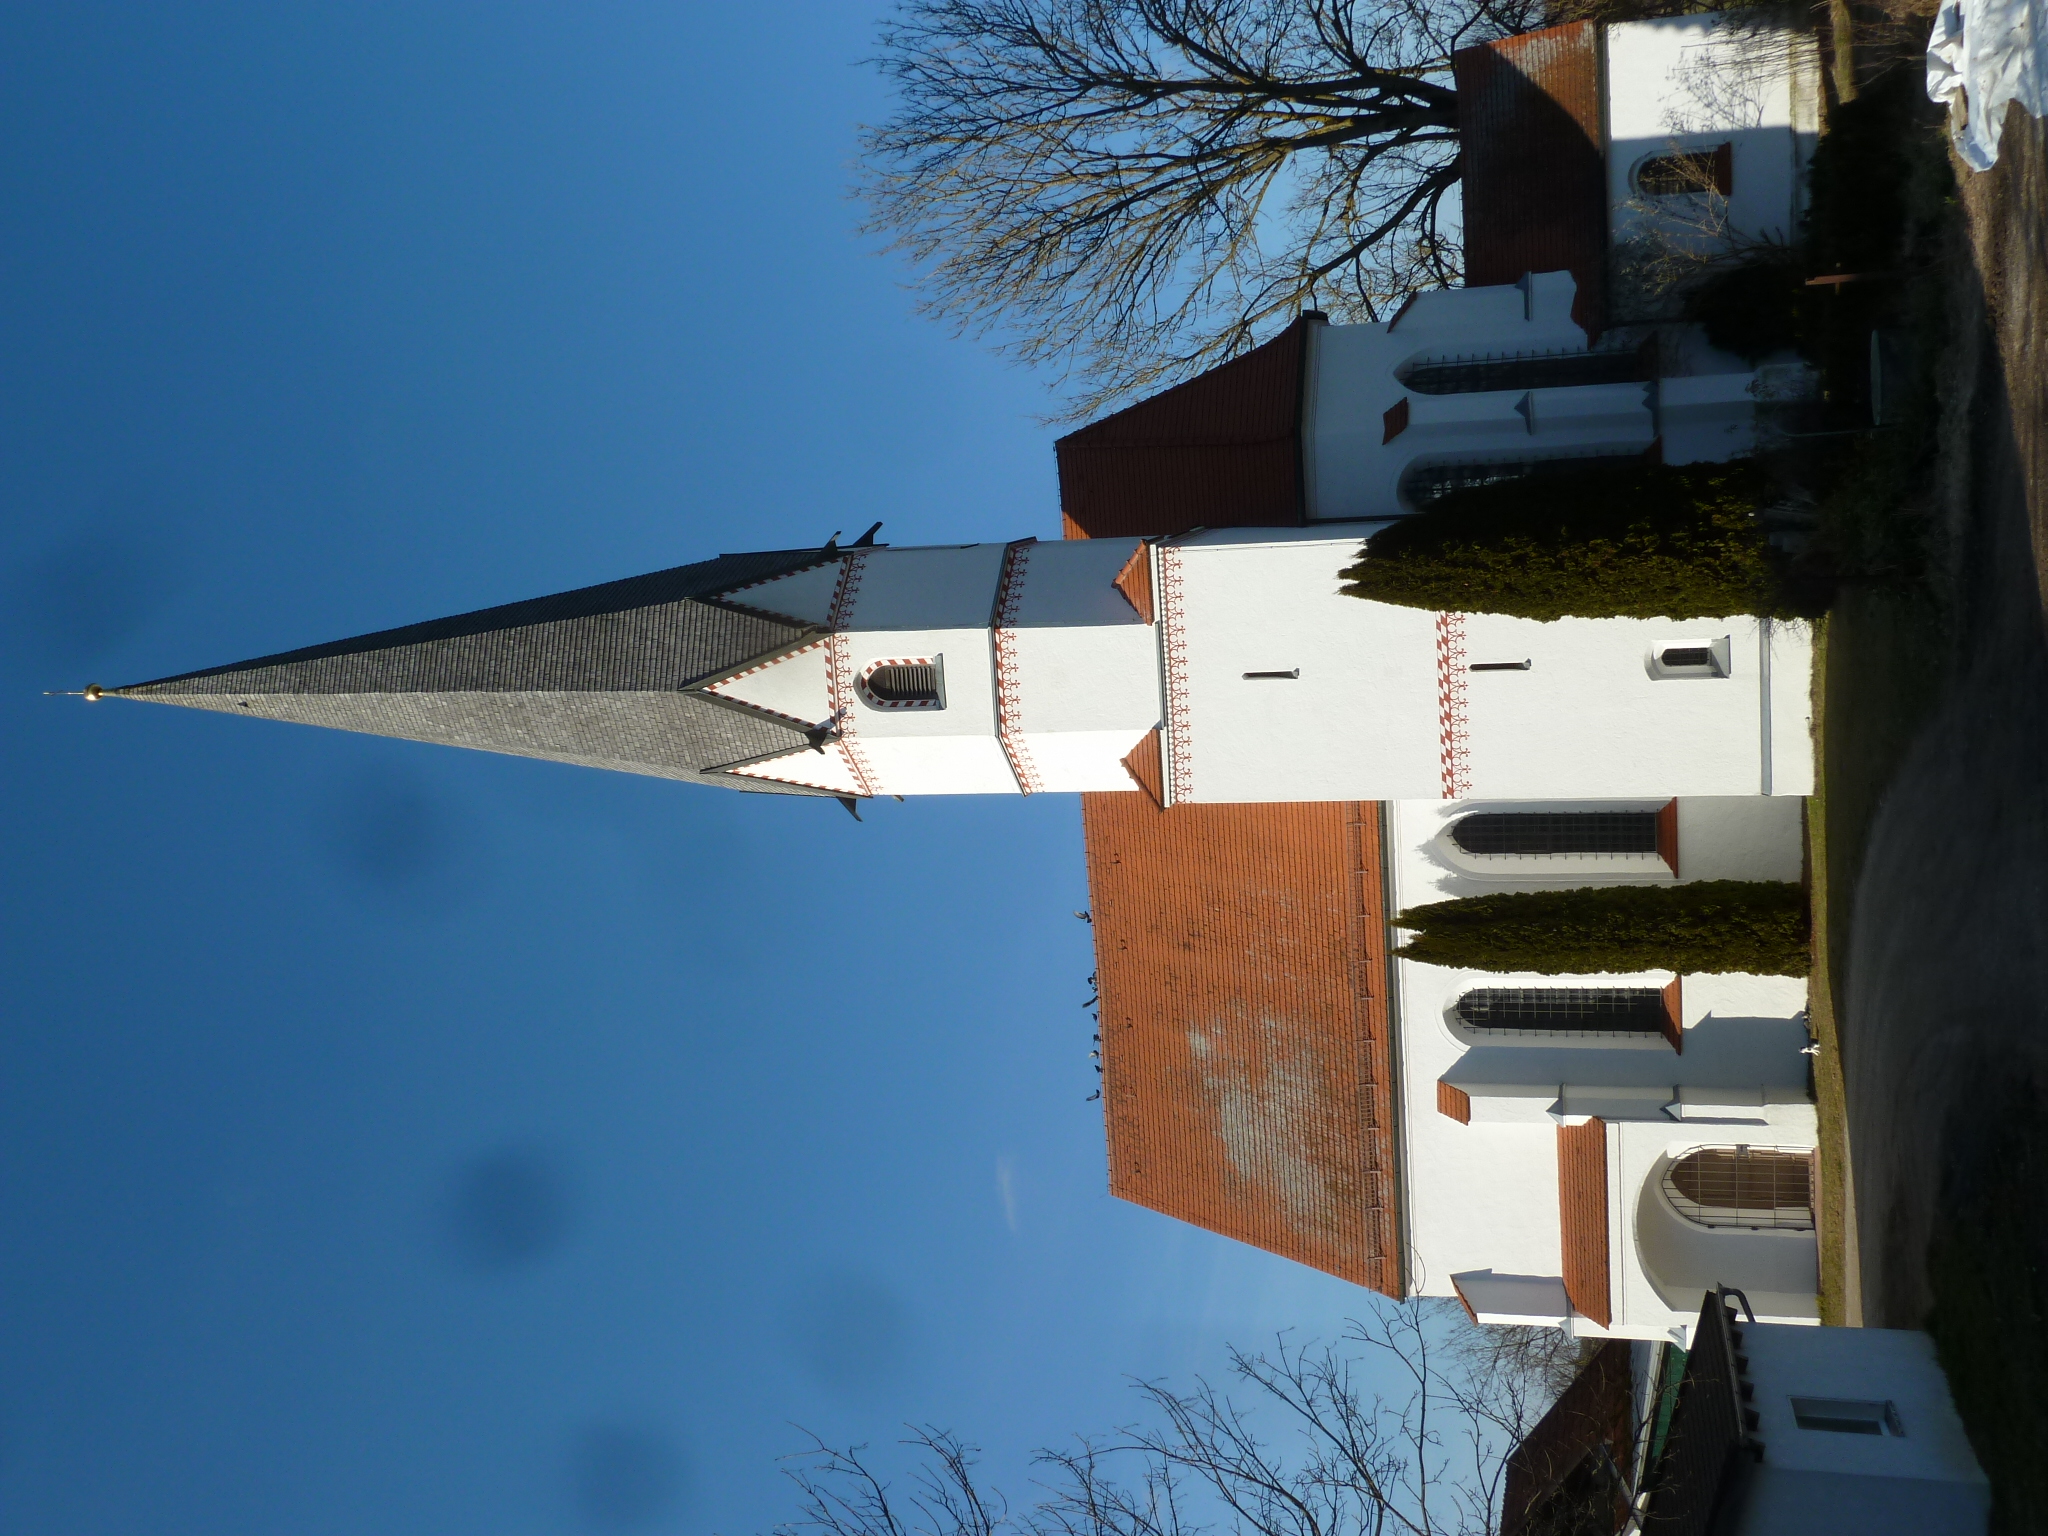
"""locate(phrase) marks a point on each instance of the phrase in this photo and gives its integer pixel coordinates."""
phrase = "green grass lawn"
(1877, 674)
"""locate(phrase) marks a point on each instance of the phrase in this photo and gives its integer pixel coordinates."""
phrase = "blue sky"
(408, 1140)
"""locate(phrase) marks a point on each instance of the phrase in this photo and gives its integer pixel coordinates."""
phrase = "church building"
(1270, 769)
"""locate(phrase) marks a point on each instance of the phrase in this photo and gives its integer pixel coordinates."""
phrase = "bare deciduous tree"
(1315, 1450)
(1134, 190)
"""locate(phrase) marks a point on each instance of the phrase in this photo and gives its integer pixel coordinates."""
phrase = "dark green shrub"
(1615, 541)
(1755, 309)
(1758, 926)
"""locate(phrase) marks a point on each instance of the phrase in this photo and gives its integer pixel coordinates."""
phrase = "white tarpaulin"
(1990, 52)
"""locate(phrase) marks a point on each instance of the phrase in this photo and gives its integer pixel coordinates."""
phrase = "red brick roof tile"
(1248, 1079)
(1533, 162)
(1220, 451)
(1582, 1208)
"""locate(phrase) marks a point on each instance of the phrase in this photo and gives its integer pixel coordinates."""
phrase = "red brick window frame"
(903, 682)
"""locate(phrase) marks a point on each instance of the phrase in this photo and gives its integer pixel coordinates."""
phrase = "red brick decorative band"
(1454, 755)
(1009, 673)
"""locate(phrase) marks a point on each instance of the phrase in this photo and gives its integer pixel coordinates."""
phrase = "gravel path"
(1946, 998)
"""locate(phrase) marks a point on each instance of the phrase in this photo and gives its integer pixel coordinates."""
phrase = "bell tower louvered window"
(1566, 1010)
(1556, 832)
(910, 683)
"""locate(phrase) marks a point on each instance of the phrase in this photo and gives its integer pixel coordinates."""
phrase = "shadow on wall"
(849, 1332)
(508, 1209)
(625, 1477)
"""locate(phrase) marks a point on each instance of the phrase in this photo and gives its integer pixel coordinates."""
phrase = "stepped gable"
(1220, 451)
(1247, 1065)
(1533, 161)
(596, 677)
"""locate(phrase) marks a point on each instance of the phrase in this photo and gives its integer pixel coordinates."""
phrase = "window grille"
(1565, 1010)
(903, 685)
(1757, 1187)
(1528, 370)
(1556, 832)
(1424, 483)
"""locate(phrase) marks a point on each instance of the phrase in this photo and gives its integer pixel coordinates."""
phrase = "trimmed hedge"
(1646, 541)
(1758, 926)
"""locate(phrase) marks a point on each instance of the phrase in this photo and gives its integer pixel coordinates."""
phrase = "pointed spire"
(609, 676)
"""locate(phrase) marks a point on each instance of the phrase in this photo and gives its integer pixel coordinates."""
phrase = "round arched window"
(904, 683)
(1743, 1187)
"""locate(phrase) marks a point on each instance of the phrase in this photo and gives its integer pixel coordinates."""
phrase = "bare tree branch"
(1134, 190)
(1311, 1451)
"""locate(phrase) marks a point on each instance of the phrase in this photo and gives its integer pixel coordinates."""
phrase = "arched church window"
(1743, 1187)
(1427, 481)
(912, 683)
(1526, 833)
(1566, 1010)
(1527, 370)
(1688, 171)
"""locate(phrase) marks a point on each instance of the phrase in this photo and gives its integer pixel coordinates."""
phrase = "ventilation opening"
(1754, 1187)
(1848, 1416)
(1557, 832)
(1688, 172)
(1565, 1010)
(913, 684)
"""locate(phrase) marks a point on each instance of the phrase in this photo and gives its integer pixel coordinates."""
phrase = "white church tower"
(1218, 667)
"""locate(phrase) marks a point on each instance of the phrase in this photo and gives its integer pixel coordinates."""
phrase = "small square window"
(1848, 1416)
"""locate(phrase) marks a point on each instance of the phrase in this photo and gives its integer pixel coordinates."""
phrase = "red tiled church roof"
(1582, 1210)
(1534, 171)
(1248, 1074)
(1220, 451)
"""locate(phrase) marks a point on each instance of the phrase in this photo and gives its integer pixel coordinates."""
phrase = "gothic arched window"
(1566, 1010)
(1556, 832)
(1743, 1187)
(912, 683)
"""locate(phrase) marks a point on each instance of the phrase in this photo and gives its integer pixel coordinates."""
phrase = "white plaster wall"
(1352, 473)
(1590, 718)
(1484, 1196)
(1363, 720)
(1881, 1364)
(1696, 82)
(1072, 582)
(1742, 837)
(1478, 1196)
(927, 588)
(1359, 723)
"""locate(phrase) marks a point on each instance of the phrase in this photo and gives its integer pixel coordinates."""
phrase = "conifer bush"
(1636, 540)
(1757, 926)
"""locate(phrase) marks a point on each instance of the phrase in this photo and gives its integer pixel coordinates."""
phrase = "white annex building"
(1271, 769)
